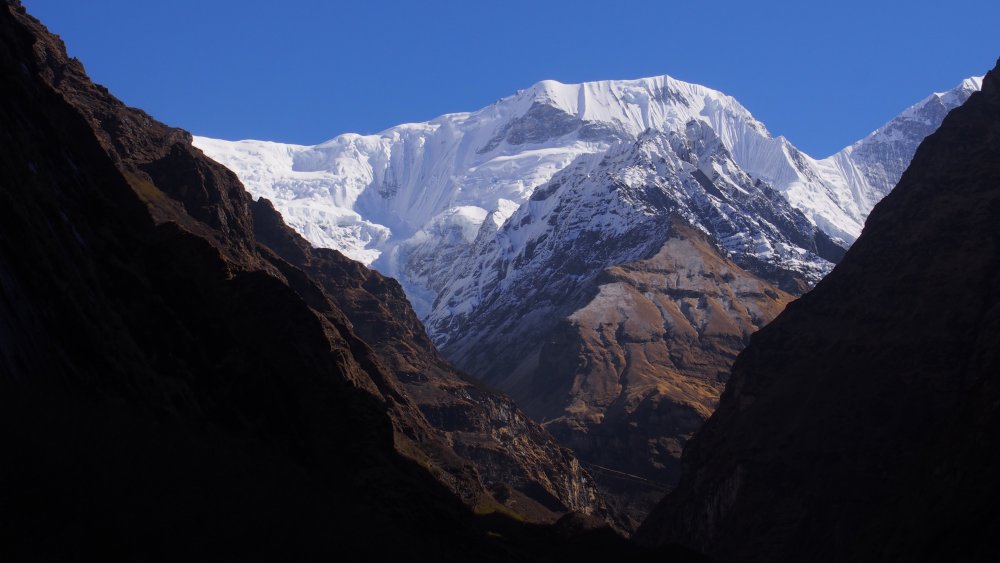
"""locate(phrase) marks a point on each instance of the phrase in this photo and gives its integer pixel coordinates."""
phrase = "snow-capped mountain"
(614, 208)
(599, 251)
(514, 310)
(408, 200)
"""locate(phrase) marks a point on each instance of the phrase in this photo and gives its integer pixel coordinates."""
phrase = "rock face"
(182, 376)
(629, 377)
(863, 423)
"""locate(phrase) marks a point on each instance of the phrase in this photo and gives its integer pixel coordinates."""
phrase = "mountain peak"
(656, 102)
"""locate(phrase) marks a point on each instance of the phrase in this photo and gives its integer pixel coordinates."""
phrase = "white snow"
(415, 200)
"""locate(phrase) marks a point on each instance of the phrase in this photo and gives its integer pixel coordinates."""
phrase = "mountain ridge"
(345, 193)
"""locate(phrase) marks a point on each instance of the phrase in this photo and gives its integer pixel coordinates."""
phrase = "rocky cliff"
(631, 375)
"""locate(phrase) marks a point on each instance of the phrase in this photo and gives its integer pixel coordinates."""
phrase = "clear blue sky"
(821, 73)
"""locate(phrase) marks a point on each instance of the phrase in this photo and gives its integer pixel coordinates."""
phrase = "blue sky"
(822, 74)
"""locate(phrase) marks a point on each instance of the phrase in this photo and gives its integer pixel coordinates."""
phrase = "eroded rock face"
(863, 423)
(625, 380)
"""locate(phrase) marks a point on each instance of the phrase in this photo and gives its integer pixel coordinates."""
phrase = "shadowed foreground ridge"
(862, 424)
(179, 381)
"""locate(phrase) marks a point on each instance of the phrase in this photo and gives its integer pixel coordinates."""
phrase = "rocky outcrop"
(863, 423)
(182, 378)
(634, 373)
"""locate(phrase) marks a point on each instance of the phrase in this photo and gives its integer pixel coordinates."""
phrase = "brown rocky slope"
(640, 367)
(863, 424)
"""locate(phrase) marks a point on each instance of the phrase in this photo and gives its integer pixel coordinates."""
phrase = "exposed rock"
(640, 368)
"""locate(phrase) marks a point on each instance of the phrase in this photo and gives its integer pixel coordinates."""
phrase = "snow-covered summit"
(380, 197)
(661, 103)
(412, 199)
(364, 190)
